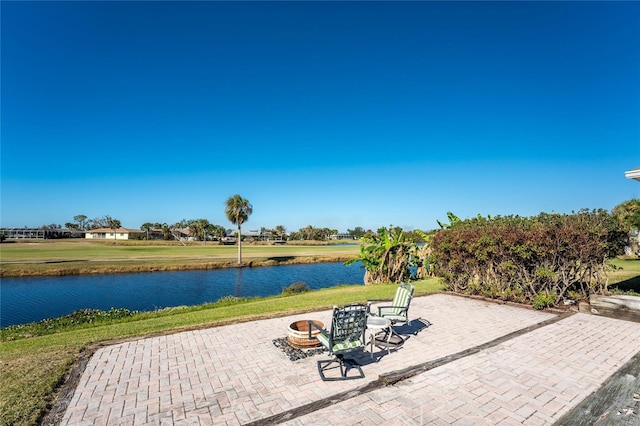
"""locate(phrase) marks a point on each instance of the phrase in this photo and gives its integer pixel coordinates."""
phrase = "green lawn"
(626, 276)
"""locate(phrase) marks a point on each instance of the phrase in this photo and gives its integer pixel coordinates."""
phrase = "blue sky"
(330, 114)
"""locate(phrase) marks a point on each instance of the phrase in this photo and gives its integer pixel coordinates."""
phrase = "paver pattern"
(234, 374)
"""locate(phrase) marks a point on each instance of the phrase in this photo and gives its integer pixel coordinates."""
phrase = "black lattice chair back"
(348, 323)
(346, 335)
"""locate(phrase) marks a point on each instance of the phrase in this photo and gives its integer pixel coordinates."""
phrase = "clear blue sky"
(331, 114)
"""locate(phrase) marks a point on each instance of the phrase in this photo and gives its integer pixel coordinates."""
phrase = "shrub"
(542, 300)
(539, 259)
(299, 287)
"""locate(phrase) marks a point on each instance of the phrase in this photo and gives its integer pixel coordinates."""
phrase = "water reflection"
(24, 300)
(238, 292)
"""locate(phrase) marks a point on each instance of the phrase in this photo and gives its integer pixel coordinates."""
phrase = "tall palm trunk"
(239, 245)
(238, 210)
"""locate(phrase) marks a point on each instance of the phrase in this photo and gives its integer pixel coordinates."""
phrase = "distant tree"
(147, 226)
(217, 232)
(114, 224)
(195, 230)
(280, 231)
(628, 215)
(324, 233)
(238, 210)
(198, 228)
(81, 220)
(178, 226)
(356, 232)
(98, 222)
(166, 231)
(51, 226)
(369, 233)
(295, 235)
(308, 233)
(204, 224)
(265, 233)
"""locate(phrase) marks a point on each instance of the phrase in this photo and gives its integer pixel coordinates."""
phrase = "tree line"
(201, 229)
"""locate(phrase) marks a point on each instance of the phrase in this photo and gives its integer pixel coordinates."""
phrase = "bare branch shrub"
(541, 259)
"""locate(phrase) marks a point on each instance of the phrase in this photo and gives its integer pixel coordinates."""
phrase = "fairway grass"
(77, 257)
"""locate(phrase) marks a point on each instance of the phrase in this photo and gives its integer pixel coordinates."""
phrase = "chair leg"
(386, 338)
(343, 364)
(390, 332)
(394, 333)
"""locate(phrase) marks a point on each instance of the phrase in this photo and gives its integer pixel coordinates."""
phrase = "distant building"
(111, 234)
(37, 233)
(341, 236)
(256, 234)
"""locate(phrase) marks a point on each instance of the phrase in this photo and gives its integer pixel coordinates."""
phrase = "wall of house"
(107, 235)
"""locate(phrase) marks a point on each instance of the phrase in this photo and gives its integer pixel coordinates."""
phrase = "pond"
(24, 300)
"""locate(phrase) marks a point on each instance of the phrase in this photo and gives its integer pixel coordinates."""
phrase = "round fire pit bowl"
(298, 334)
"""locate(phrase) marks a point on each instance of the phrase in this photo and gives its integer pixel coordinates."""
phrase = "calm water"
(24, 300)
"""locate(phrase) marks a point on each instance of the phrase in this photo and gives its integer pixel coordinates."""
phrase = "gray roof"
(633, 174)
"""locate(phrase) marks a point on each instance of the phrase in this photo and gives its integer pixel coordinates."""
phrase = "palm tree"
(280, 231)
(114, 224)
(238, 210)
(166, 231)
(147, 227)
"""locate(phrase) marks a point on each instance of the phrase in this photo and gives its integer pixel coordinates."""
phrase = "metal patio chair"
(398, 310)
(345, 337)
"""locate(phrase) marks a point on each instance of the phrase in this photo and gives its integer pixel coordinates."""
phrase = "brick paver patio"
(234, 374)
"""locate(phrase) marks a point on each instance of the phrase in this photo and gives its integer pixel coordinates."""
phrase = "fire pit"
(298, 335)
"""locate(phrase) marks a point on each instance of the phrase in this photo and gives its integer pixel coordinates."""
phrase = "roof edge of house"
(633, 174)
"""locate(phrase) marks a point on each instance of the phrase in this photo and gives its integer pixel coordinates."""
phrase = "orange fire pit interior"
(298, 334)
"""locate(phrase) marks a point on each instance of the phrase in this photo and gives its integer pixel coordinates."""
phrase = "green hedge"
(542, 260)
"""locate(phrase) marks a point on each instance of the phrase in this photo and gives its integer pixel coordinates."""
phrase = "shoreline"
(127, 266)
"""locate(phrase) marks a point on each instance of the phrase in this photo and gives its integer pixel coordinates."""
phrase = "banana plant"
(422, 253)
(387, 256)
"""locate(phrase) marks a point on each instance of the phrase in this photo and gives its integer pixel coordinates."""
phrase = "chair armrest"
(402, 308)
(313, 325)
(371, 302)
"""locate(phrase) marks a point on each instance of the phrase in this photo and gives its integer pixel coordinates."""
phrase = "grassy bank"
(625, 276)
(77, 257)
(34, 367)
